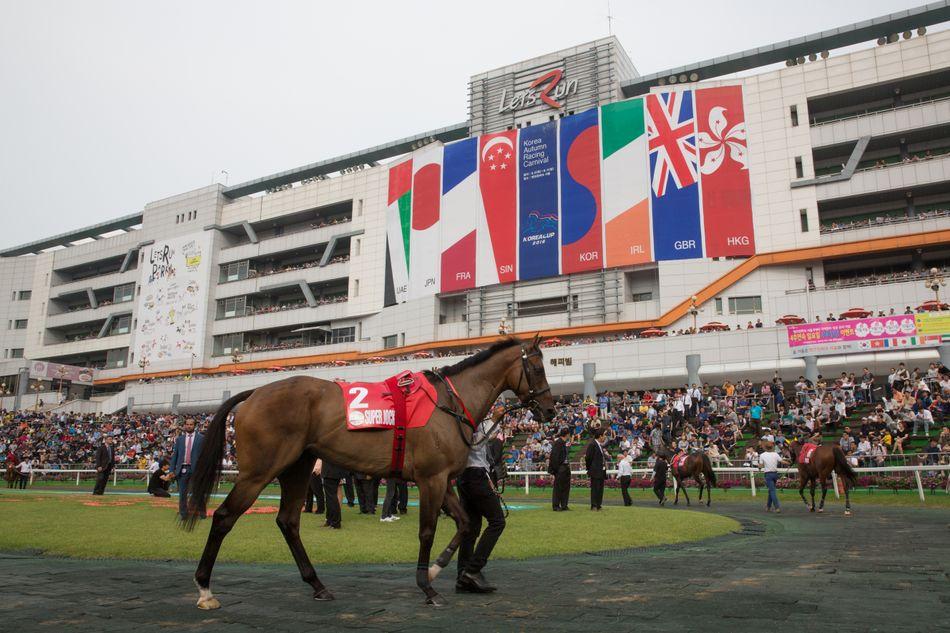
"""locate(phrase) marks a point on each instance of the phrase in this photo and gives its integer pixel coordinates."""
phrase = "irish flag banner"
(626, 183)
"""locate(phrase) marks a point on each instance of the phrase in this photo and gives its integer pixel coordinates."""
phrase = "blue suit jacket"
(178, 456)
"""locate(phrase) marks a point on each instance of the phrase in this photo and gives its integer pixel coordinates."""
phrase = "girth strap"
(399, 430)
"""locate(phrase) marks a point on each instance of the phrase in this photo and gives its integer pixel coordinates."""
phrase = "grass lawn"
(131, 526)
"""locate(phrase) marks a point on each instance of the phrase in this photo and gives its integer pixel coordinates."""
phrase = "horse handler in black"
(479, 500)
(660, 468)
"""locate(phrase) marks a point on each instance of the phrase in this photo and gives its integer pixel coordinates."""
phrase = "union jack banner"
(671, 131)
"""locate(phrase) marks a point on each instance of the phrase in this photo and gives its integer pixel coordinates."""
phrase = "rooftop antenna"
(610, 20)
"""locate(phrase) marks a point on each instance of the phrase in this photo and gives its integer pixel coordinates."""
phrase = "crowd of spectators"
(835, 226)
(269, 268)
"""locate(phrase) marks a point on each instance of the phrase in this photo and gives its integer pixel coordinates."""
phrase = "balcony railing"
(884, 108)
(882, 220)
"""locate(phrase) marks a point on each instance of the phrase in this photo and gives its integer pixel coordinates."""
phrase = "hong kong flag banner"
(724, 165)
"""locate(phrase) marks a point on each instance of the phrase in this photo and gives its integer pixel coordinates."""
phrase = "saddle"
(804, 457)
(678, 460)
(403, 401)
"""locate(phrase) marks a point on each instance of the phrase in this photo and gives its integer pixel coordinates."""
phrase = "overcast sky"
(105, 106)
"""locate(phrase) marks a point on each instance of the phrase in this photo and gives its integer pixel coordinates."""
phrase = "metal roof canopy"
(331, 165)
(867, 30)
(64, 239)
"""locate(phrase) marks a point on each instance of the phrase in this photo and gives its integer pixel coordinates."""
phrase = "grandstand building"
(806, 178)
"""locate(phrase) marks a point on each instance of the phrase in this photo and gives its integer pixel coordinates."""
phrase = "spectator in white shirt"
(624, 474)
(769, 460)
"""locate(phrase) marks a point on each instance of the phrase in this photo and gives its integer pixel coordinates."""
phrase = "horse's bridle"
(527, 373)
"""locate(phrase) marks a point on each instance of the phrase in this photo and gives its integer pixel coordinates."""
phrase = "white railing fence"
(751, 473)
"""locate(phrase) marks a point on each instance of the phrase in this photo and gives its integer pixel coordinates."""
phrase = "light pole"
(61, 371)
(694, 311)
(36, 387)
(143, 363)
(191, 368)
(934, 282)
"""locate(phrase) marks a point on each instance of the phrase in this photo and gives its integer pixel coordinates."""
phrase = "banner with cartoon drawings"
(174, 280)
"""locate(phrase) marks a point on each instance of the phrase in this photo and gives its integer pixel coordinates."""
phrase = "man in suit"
(559, 468)
(595, 459)
(105, 462)
(315, 490)
(185, 456)
(332, 474)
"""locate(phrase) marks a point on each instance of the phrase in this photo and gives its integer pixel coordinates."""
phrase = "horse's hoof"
(208, 604)
(435, 600)
(323, 595)
(820, 510)
(847, 513)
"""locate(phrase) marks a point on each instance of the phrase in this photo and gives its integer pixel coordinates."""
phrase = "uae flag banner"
(626, 179)
(724, 165)
(497, 217)
(398, 214)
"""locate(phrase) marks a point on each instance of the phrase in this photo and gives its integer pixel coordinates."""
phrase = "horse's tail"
(204, 477)
(842, 467)
(708, 471)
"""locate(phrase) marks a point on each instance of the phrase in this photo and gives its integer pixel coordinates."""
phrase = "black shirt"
(660, 469)
(155, 481)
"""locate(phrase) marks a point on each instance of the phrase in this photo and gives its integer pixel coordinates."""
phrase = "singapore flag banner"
(497, 219)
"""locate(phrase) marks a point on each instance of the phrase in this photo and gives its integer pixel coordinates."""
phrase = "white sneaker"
(394, 517)
(386, 520)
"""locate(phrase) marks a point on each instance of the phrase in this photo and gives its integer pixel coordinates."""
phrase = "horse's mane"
(475, 359)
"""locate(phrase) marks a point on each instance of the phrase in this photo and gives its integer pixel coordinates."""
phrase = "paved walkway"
(884, 569)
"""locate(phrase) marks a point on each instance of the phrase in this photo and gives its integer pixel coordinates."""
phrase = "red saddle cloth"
(369, 405)
(678, 460)
(805, 456)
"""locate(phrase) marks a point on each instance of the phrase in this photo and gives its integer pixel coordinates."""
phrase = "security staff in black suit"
(105, 463)
(561, 470)
(366, 493)
(348, 487)
(332, 474)
(315, 490)
(595, 459)
(479, 500)
(660, 468)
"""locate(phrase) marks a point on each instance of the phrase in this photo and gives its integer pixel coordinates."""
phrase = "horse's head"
(530, 383)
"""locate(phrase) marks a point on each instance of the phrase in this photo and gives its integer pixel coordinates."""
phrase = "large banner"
(172, 305)
(459, 199)
(43, 370)
(724, 163)
(659, 177)
(538, 246)
(626, 184)
(874, 334)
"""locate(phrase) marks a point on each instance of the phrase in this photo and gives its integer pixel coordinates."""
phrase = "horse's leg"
(293, 491)
(811, 489)
(708, 490)
(801, 488)
(431, 494)
(824, 492)
(241, 497)
(454, 507)
(679, 484)
(686, 495)
(847, 497)
(699, 480)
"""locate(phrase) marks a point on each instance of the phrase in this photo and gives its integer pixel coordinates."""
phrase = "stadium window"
(356, 247)
(25, 295)
(16, 352)
(356, 287)
(799, 167)
(390, 341)
(803, 216)
(19, 324)
(637, 297)
(719, 306)
(359, 208)
(745, 305)
(793, 113)
(343, 335)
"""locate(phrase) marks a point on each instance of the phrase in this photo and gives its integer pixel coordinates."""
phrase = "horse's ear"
(536, 340)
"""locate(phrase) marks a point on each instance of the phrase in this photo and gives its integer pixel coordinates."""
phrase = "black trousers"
(348, 489)
(625, 490)
(562, 487)
(334, 512)
(315, 489)
(479, 502)
(659, 488)
(183, 480)
(397, 496)
(596, 492)
(367, 497)
(102, 478)
(159, 492)
(24, 480)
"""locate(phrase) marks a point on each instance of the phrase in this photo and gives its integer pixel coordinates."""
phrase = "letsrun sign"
(548, 89)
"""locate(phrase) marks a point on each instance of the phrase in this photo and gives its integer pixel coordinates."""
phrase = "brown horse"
(696, 466)
(282, 427)
(824, 460)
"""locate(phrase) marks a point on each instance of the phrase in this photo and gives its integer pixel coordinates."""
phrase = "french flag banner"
(424, 238)
(724, 165)
(581, 230)
(457, 217)
(497, 217)
(671, 133)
